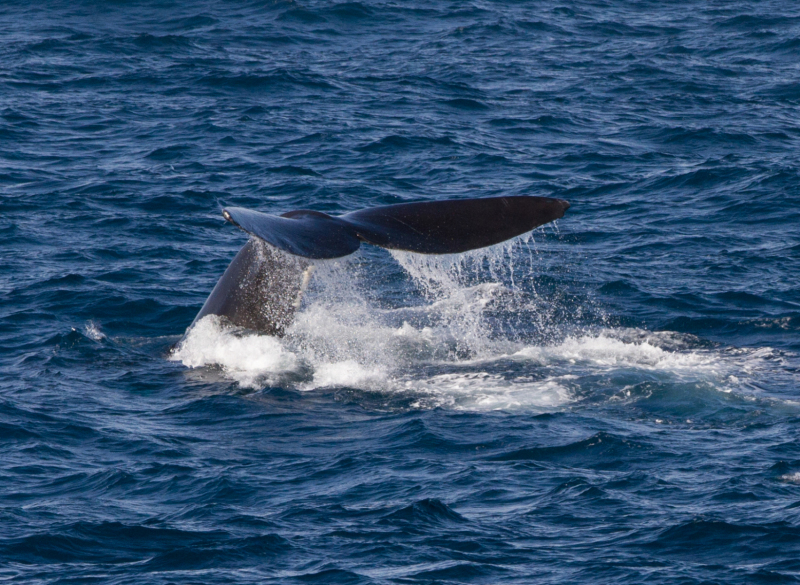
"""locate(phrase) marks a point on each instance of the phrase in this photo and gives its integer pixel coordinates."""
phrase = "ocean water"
(614, 398)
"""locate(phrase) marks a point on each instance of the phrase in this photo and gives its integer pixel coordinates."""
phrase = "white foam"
(348, 374)
(322, 351)
(443, 353)
(92, 331)
(790, 477)
(485, 391)
(607, 351)
(250, 360)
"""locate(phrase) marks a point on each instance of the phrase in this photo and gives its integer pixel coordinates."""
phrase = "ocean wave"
(624, 380)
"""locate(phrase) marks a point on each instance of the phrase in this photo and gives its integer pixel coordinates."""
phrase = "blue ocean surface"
(614, 398)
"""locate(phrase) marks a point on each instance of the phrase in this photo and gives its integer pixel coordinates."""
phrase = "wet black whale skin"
(428, 227)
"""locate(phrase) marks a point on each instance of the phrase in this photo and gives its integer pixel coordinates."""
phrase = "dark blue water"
(615, 399)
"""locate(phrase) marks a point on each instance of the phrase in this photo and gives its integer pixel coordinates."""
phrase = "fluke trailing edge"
(261, 288)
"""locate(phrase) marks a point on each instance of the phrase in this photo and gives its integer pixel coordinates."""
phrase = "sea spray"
(251, 360)
(480, 338)
(485, 298)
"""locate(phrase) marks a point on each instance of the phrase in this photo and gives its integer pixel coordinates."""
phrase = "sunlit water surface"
(614, 398)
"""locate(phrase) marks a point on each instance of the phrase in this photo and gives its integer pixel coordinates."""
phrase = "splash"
(462, 343)
(483, 391)
(790, 477)
(464, 289)
(250, 360)
(626, 348)
(92, 331)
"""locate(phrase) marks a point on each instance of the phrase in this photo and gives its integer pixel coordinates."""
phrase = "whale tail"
(261, 288)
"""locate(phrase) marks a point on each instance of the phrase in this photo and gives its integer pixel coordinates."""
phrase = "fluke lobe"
(261, 288)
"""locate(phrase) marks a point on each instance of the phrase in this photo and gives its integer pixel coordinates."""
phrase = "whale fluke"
(308, 234)
(429, 227)
(261, 288)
